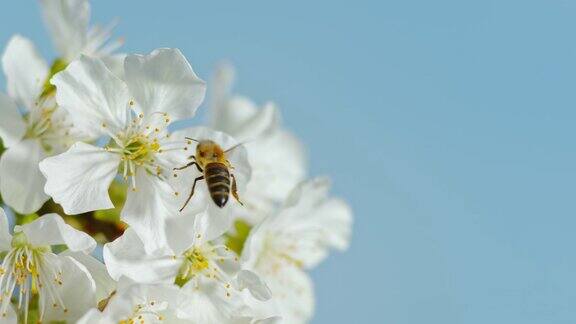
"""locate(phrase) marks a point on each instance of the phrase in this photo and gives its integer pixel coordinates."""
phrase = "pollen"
(138, 145)
(25, 269)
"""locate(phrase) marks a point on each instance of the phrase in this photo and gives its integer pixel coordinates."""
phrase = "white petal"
(220, 89)
(164, 81)
(255, 243)
(237, 115)
(10, 316)
(338, 215)
(209, 303)
(105, 285)
(25, 71)
(12, 126)
(242, 119)
(278, 163)
(308, 194)
(312, 223)
(127, 257)
(50, 229)
(67, 21)
(232, 112)
(260, 125)
(98, 40)
(293, 292)
(5, 237)
(269, 320)
(78, 179)
(77, 292)
(127, 298)
(249, 280)
(147, 208)
(115, 63)
(96, 99)
(183, 231)
(261, 312)
(21, 183)
(94, 316)
(190, 230)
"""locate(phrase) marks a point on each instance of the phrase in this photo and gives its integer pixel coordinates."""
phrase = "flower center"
(141, 143)
(45, 122)
(194, 263)
(196, 260)
(205, 261)
(29, 272)
(140, 149)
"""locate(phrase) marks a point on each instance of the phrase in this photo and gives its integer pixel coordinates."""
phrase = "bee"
(210, 160)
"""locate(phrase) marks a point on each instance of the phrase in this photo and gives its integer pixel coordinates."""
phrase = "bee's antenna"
(192, 139)
(237, 145)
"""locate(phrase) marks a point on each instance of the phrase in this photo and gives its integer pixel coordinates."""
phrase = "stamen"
(31, 271)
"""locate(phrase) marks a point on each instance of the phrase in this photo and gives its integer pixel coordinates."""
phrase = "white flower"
(214, 288)
(64, 287)
(137, 303)
(105, 285)
(155, 304)
(39, 129)
(30, 134)
(277, 158)
(159, 88)
(298, 237)
(68, 23)
(184, 179)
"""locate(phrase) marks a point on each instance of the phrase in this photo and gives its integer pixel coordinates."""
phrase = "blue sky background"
(448, 125)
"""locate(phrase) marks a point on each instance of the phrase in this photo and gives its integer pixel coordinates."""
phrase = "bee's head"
(208, 151)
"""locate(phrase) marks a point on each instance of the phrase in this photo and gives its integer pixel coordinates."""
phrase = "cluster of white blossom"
(90, 137)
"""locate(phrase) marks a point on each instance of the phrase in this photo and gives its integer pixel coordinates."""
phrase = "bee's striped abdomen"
(218, 180)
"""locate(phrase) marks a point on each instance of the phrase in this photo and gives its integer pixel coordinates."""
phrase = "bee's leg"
(235, 190)
(187, 165)
(230, 166)
(191, 192)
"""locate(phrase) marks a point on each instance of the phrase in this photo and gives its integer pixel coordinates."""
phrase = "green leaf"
(117, 193)
(48, 88)
(25, 219)
(235, 241)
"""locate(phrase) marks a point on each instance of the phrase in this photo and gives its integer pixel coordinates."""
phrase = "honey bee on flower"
(135, 114)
